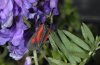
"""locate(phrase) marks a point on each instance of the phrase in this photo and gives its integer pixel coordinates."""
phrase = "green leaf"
(87, 33)
(76, 50)
(81, 55)
(84, 34)
(68, 44)
(97, 41)
(54, 46)
(63, 49)
(77, 59)
(55, 54)
(57, 62)
(77, 40)
(52, 43)
(97, 48)
(71, 50)
(82, 63)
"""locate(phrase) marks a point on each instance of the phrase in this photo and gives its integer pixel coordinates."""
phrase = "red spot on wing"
(46, 36)
(33, 40)
(39, 32)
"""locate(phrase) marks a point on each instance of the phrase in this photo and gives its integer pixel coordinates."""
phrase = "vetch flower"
(53, 6)
(6, 8)
(17, 46)
(15, 36)
(28, 61)
(17, 52)
(18, 32)
(4, 36)
(12, 26)
(8, 22)
(24, 6)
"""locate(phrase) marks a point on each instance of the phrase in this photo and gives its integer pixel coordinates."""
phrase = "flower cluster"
(12, 26)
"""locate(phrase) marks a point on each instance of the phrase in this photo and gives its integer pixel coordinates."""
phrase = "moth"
(39, 37)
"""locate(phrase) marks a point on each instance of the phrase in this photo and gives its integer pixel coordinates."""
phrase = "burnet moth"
(39, 37)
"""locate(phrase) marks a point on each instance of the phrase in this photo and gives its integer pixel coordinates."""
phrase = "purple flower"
(4, 36)
(53, 4)
(28, 61)
(46, 6)
(17, 45)
(18, 32)
(15, 36)
(8, 22)
(17, 52)
(24, 6)
(12, 24)
(6, 8)
(15, 33)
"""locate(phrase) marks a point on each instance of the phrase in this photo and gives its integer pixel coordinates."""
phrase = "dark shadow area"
(89, 11)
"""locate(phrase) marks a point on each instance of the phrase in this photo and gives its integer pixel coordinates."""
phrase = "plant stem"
(35, 57)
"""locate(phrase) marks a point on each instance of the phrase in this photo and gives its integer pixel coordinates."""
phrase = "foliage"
(71, 48)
